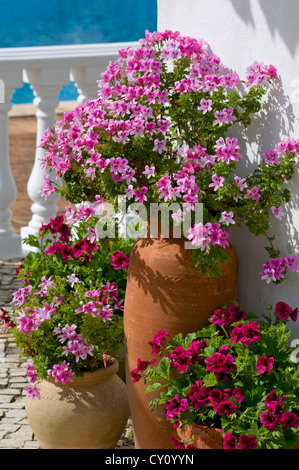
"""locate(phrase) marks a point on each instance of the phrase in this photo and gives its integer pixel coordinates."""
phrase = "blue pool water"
(60, 22)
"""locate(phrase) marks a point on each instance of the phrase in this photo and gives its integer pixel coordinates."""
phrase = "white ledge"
(46, 56)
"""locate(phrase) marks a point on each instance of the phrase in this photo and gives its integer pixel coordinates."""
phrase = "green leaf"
(164, 368)
(210, 380)
(154, 387)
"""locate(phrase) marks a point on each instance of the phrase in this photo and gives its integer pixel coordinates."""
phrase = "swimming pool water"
(60, 22)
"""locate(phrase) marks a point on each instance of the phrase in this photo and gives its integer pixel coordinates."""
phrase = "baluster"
(46, 85)
(10, 242)
(85, 79)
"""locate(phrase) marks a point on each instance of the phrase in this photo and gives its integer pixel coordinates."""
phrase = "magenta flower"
(33, 392)
(61, 372)
(272, 400)
(269, 420)
(179, 359)
(247, 442)
(254, 193)
(198, 395)
(289, 420)
(271, 157)
(230, 441)
(119, 260)
(264, 365)
(140, 194)
(174, 407)
(194, 350)
(141, 366)
(216, 363)
(158, 341)
(284, 311)
(231, 314)
(31, 372)
(245, 333)
(226, 407)
(221, 363)
(5, 319)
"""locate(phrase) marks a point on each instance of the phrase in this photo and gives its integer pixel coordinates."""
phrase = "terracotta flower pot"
(202, 437)
(89, 413)
(166, 291)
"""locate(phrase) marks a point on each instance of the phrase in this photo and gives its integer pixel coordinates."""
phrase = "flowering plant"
(158, 131)
(238, 374)
(68, 313)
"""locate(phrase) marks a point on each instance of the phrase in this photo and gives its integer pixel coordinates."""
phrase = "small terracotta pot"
(166, 291)
(89, 413)
(202, 437)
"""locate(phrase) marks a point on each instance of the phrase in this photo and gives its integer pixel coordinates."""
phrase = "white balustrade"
(47, 69)
(46, 86)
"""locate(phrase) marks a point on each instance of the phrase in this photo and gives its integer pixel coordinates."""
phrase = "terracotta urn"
(202, 437)
(166, 291)
(89, 413)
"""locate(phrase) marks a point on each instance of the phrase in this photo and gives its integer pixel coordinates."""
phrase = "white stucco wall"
(240, 32)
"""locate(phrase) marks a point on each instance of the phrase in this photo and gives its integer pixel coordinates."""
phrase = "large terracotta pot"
(202, 437)
(89, 413)
(165, 290)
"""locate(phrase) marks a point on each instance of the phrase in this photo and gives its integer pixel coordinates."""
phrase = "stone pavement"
(15, 431)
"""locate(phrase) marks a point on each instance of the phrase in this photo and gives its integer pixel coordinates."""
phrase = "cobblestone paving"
(15, 431)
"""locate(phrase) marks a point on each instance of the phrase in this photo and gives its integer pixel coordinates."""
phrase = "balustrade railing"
(47, 70)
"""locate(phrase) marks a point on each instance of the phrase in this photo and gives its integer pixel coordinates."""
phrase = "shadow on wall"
(278, 17)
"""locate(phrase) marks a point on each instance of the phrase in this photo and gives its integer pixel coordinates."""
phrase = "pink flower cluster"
(5, 320)
(28, 321)
(231, 314)
(174, 407)
(275, 414)
(227, 150)
(100, 303)
(119, 260)
(246, 333)
(31, 372)
(223, 402)
(264, 365)
(61, 373)
(83, 248)
(285, 312)
(222, 363)
(141, 367)
(127, 91)
(210, 233)
(55, 226)
(181, 358)
(245, 442)
(21, 295)
(158, 341)
(258, 74)
(33, 392)
(156, 345)
(276, 268)
(75, 343)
